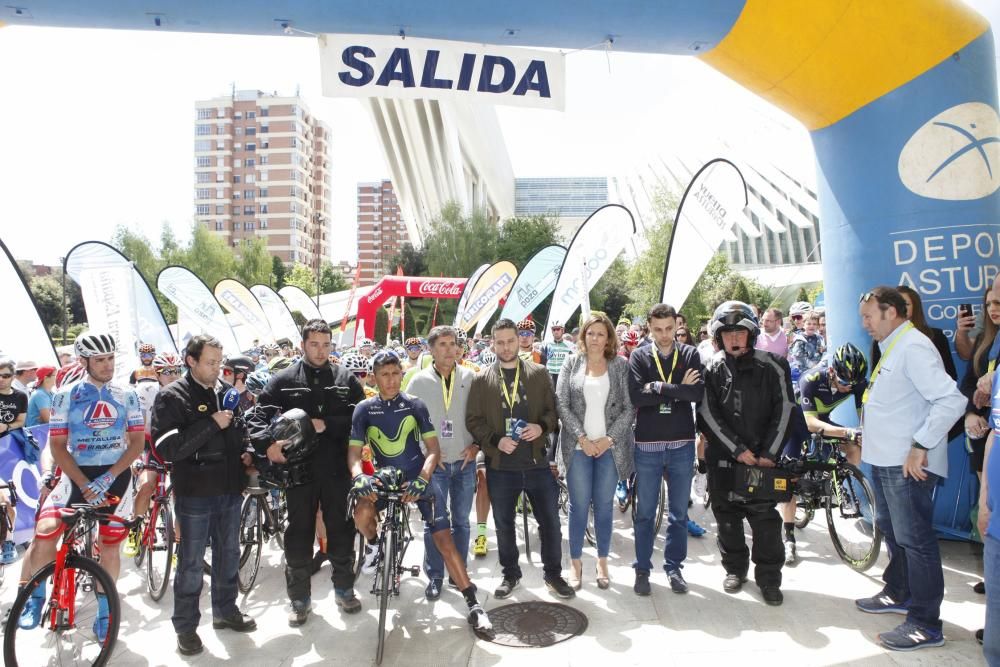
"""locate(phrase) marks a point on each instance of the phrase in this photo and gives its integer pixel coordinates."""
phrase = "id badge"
(447, 428)
(509, 427)
(666, 408)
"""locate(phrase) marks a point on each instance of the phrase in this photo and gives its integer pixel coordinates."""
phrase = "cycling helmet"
(166, 360)
(69, 374)
(525, 325)
(354, 362)
(849, 365)
(462, 338)
(799, 308)
(624, 320)
(630, 337)
(240, 364)
(556, 324)
(94, 345)
(270, 347)
(147, 348)
(394, 343)
(279, 364)
(487, 358)
(413, 341)
(297, 428)
(256, 382)
(391, 479)
(733, 315)
(365, 342)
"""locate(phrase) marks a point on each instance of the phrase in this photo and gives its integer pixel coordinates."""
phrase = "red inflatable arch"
(393, 286)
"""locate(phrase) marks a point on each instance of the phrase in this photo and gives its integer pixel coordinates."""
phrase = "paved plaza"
(817, 625)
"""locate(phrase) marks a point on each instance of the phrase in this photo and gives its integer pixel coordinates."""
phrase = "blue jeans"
(991, 573)
(590, 481)
(543, 493)
(457, 488)
(904, 507)
(218, 518)
(678, 465)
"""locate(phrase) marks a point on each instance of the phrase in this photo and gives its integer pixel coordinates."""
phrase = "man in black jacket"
(192, 429)
(664, 380)
(745, 416)
(328, 394)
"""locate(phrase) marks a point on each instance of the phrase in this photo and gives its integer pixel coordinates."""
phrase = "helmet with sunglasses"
(800, 308)
(734, 316)
(849, 365)
(166, 360)
(412, 341)
(354, 362)
(240, 364)
(94, 345)
(526, 325)
(391, 479)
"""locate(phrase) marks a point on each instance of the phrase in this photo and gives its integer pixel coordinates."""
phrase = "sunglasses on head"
(865, 297)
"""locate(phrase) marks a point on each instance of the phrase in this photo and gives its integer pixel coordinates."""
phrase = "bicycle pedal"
(414, 571)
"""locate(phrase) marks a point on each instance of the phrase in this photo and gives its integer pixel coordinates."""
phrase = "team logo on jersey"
(101, 415)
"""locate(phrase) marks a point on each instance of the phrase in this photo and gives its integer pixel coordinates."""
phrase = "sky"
(97, 125)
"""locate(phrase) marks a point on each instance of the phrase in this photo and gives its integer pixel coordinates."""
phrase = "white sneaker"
(700, 486)
(480, 621)
(371, 560)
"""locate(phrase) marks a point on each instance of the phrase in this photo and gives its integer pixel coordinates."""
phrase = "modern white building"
(570, 200)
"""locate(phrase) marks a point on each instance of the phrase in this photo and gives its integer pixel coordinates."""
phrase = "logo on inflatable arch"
(955, 155)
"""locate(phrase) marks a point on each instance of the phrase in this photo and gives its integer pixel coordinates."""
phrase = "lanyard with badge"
(447, 391)
(665, 408)
(511, 396)
(885, 355)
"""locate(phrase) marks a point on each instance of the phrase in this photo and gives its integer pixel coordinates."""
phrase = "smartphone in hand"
(964, 309)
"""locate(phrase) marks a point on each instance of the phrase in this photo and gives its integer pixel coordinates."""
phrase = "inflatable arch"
(390, 287)
(900, 99)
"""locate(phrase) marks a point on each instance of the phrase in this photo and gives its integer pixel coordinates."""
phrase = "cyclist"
(395, 424)
(95, 433)
(366, 347)
(413, 350)
(147, 352)
(358, 365)
(526, 342)
(235, 371)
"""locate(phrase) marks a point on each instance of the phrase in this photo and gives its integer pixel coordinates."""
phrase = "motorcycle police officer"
(745, 416)
(317, 476)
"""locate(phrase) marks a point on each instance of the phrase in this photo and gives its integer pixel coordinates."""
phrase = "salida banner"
(413, 68)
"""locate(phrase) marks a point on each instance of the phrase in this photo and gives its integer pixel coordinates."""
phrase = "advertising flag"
(493, 285)
(467, 290)
(28, 339)
(238, 300)
(197, 307)
(277, 313)
(595, 246)
(350, 302)
(534, 283)
(711, 204)
(300, 301)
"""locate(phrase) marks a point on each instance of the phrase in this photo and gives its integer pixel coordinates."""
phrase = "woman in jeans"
(596, 418)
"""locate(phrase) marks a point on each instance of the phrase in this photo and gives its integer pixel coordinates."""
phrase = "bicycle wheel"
(56, 640)
(856, 541)
(387, 581)
(660, 504)
(359, 554)
(140, 531)
(160, 551)
(804, 513)
(251, 541)
(524, 524)
(280, 514)
(5, 531)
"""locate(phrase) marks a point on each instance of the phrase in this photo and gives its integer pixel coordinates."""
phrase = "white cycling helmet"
(366, 342)
(487, 358)
(94, 345)
(800, 308)
(355, 363)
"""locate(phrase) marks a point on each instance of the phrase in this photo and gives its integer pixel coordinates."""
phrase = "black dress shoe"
(189, 643)
(980, 587)
(238, 622)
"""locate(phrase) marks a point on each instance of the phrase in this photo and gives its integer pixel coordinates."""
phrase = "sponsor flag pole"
(347, 310)
(709, 224)
(434, 315)
(585, 292)
(402, 310)
(534, 283)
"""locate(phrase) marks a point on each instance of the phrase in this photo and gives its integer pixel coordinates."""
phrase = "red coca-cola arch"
(411, 287)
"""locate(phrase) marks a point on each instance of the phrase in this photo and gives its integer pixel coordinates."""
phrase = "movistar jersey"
(393, 429)
(819, 398)
(95, 421)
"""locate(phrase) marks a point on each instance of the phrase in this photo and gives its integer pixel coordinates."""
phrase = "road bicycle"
(825, 479)
(263, 516)
(66, 633)
(6, 522)
(156, 531)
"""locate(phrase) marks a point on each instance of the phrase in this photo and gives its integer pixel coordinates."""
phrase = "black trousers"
(768, 553)
(329, 492)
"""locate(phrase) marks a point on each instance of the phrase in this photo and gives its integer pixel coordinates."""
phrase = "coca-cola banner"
(469, 284)
(493, 285)
(597, 243)
(393, 286)
(535, 282)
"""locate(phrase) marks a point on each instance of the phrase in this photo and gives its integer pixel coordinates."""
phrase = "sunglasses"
(361, 375)
(557, 328)
(841, 381)
(526, 333)
(796, 317)
(414, 348)
(6, 376)
(175, 372)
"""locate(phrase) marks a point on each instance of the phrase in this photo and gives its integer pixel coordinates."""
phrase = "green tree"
(170, 249)
(254, 264)
(302, 277)
(138, 249)
(457, 244)
(522, 237)
(413, 261)
(48, 295)
(209, 257)
(331, 280)
(278, 272)
(611, 294)
(298, 318)
(803, 295)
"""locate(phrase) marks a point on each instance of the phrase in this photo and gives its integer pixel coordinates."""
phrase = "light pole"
(65, 315)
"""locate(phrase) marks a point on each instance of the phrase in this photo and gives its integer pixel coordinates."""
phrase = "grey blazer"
(618, 411)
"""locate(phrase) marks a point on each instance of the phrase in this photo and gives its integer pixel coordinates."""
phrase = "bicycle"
(6, 523)
(156, 531)
(72, 606)
(394, 537)
(261, 519)
(825, 478)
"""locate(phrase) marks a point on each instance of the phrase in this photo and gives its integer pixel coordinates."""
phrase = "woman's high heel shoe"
(603, 580)
(576, 574)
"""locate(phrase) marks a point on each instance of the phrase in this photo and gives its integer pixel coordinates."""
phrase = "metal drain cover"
(536, 624)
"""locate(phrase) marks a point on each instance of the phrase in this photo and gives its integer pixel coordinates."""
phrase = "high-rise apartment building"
(262, 171)
(381, 230)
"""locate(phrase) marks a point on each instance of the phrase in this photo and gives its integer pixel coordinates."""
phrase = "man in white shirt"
(909, 406)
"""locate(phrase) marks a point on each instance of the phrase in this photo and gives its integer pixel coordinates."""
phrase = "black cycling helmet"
(256, 382)
(849, 365)
(297, 428)
(391, 478)
(240, 364)
(733, 315)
